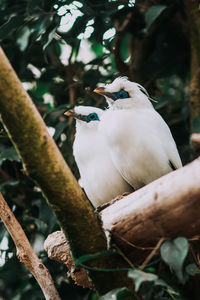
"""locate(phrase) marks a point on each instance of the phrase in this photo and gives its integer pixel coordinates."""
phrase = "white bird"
(140, 142)
(100, 179)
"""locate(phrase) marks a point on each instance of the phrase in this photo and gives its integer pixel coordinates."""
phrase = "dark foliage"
(60, 65)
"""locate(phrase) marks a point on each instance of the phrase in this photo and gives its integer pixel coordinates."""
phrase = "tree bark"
(195, 142)
(26, 254)
(166, 208)
(57, 248)
(193, 14)
(44, 163)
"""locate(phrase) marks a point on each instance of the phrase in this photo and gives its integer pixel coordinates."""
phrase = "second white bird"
(100, 179)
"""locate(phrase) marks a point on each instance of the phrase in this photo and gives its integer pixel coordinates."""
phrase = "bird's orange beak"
(70, 113)
(100, 90)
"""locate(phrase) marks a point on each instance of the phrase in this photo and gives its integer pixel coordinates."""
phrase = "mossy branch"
(44, 163)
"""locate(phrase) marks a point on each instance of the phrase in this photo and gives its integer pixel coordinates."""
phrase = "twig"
(124, 257)
(125, 24)
(149, 257)
(131, 244)
(26, 254)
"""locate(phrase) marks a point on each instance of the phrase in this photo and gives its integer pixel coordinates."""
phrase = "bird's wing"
(141, 145)
(168, 143)
(172, 166)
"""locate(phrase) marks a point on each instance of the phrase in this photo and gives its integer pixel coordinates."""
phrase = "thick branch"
(168, 207)
(45, 164)
(25, 252)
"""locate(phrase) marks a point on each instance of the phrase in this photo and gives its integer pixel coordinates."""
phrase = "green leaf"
(166, 287)
(192, 269)
(33, 6)
(23, 38)
(52, 115)
(7, 28)
(40, 26)
(42, 87)
(50, 38)
(196, 124)
(9, 154)
(124, 48)
(153, 13)
(60, 127)
(174, 253)
(139, 277)
(41, 225)
(116, 294)
(97, 48)
(7, 184)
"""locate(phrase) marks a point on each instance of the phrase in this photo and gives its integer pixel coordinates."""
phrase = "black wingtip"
(172, 166)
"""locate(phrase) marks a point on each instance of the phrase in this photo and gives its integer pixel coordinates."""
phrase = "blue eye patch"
(92, 117)
(88, 118)
(122, 94)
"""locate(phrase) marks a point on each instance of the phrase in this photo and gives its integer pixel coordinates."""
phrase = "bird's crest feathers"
(123, 93)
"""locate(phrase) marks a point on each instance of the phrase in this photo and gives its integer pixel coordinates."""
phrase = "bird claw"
(107, 204)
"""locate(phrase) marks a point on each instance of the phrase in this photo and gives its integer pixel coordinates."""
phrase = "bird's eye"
(92, 117)
(122, 94)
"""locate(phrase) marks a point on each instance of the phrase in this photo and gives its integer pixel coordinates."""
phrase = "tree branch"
(168, 207)
(26, 254)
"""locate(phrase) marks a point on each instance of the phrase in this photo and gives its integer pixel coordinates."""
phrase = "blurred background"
(61, 50)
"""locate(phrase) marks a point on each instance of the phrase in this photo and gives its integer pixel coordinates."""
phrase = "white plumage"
(100, 179)
(140, 142)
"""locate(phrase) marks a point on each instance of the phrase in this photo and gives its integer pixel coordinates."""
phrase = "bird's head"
(86, 116)
(122, 93)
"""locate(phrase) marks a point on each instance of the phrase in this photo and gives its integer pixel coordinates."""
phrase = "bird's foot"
(105, 205)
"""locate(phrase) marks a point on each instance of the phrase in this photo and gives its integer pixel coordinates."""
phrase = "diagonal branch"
(25, 252)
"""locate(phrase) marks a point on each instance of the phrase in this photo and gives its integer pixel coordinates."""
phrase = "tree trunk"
(193, 13)
(44, 163)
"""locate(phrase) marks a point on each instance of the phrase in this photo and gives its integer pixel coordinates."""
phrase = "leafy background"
(61, 50)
